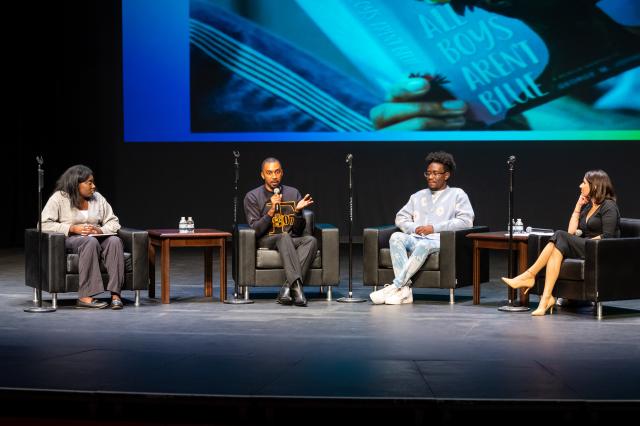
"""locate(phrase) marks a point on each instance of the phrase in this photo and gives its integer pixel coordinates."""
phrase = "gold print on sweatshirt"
(283, 219)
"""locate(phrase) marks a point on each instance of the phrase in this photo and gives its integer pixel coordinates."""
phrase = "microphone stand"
(236, 300)
(350, 298)
(510, 306)
(39, 308)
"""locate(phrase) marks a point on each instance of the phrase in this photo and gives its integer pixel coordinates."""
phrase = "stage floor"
(430, 350)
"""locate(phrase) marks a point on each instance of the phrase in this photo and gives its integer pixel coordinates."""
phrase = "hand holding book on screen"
(500, 58)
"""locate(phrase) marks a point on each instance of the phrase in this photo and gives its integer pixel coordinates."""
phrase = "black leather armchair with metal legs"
(450, 268)
(610, 270)
(263, 268)
(60, 269)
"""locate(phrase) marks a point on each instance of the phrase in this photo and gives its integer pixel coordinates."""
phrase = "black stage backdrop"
(65, 92)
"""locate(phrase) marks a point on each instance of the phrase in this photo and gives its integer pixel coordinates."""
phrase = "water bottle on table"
(182, 225)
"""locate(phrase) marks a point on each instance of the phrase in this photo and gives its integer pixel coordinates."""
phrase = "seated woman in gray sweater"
(84, 216)
(428, 212)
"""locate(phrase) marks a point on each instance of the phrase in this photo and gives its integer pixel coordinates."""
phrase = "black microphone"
(511, 159)
(276, 191)
(349, 158)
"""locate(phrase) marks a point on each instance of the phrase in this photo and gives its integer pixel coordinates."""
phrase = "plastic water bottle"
(182, 225)
(190, 225)
(519, 227)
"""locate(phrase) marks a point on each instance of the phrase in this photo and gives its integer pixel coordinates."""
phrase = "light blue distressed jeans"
(405, 266)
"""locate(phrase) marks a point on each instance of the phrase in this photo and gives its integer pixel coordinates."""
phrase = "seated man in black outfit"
(274, 211)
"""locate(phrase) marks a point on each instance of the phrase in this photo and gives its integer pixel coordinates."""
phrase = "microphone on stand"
(349, 159)
(350, 298)
(511, 306)
(237, 300)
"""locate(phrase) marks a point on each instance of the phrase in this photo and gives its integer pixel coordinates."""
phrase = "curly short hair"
(443, 158)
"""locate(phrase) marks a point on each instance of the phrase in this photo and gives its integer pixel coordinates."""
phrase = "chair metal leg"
(54, 300)
(246, 292)
(322, 289)
(375, 288)
(137, 303)
(452, 296)
(35, 295)
(329, 293)
(599, 310)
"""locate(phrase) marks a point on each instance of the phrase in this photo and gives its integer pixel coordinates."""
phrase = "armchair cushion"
(72, 263)
(60, 269)
(608, 272)
(432, 263)
(259, 267)
(572, 270)
(270, 259)
(451, 267)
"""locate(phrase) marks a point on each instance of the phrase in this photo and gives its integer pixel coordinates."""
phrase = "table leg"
(522, 266)
(165, 262)
(223, 270)
(152, 271)
(476, 273)
(208, 271)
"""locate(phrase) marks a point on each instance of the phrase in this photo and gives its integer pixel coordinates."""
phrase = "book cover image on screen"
(501, 57)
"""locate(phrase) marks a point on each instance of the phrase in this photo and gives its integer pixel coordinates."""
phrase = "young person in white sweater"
(428, 212)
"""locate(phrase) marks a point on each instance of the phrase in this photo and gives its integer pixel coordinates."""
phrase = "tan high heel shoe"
(542, 310)
(520, 281)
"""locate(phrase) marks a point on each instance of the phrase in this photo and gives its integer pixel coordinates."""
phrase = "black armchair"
(263, 268)
(610, 270)
(60, 269)
(450, 268)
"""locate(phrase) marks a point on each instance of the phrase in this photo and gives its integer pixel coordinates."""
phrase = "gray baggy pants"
(90, 251)
(297, 253)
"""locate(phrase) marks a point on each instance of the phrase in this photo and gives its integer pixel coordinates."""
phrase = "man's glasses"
(435, 174)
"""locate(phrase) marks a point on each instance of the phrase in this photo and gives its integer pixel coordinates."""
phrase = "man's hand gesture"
(306, 201)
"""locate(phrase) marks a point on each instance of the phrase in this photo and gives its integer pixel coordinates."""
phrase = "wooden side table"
(498, 241)
(165, 239)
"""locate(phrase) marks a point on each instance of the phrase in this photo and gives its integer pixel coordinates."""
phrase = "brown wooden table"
(498, 241)
(164, 239)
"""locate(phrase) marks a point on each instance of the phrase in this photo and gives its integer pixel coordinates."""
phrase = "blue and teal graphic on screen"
(379, 70)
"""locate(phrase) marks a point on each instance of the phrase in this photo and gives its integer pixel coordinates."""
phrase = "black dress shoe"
(297, 294)
(284, 298)
(94, 304)
(116, 304)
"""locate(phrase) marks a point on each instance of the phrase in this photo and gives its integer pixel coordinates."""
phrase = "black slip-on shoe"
(117, 304)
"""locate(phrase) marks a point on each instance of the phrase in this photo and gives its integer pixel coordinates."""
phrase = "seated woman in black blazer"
(595, 216)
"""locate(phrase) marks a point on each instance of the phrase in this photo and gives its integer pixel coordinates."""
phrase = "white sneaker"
(400, 297)
(379, 297)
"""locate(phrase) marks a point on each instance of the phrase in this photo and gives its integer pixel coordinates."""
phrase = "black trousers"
(297, 253)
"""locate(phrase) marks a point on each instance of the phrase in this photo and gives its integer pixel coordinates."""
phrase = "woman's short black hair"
(69, 181)
(443, 158)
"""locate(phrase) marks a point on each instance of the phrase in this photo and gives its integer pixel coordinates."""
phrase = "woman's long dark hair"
(601, 186)
(69, 181)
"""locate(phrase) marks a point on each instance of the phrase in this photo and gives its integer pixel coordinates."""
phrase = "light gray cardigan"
(58, 215)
